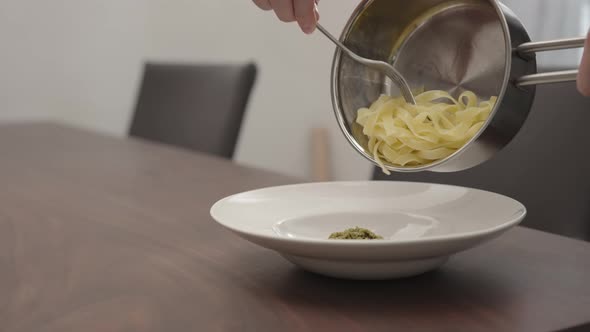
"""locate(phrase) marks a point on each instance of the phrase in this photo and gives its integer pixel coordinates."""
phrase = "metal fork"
(382, 66)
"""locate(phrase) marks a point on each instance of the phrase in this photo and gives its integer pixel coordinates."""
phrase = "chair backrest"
(546, 167)
(199, 107)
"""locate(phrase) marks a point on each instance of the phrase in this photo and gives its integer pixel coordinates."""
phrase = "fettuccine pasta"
(413, 135)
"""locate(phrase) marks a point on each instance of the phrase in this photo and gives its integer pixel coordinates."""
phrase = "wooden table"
(106, 234)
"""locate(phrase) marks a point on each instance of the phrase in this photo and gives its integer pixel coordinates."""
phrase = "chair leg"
(320, 155)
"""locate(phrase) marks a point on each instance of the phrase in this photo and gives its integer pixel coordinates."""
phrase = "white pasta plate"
(422, 224)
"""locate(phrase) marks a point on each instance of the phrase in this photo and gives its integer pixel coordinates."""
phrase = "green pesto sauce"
(356, 233)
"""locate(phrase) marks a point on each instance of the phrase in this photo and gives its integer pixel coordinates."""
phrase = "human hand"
(584, 75)
(303, 11)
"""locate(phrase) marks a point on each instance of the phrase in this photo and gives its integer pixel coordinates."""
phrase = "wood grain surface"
(109, 234)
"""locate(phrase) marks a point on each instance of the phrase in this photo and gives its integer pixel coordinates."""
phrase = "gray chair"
(198, 107)
(546, 167)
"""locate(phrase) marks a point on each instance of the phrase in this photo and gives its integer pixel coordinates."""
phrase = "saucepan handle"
(551, 45)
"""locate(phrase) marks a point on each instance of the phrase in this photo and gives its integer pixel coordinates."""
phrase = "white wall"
(80, 61)
(76, 60)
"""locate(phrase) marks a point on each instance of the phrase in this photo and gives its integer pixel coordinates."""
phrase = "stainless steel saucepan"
(476, 45)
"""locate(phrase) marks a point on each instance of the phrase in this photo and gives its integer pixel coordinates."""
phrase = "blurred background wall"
(80, 61)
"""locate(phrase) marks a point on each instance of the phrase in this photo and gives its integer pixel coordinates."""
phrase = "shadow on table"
(579, 328)
(427, 293)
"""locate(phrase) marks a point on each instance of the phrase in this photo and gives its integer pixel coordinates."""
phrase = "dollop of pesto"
(356, 233)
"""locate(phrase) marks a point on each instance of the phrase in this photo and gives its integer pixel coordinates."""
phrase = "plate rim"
(514, 221)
